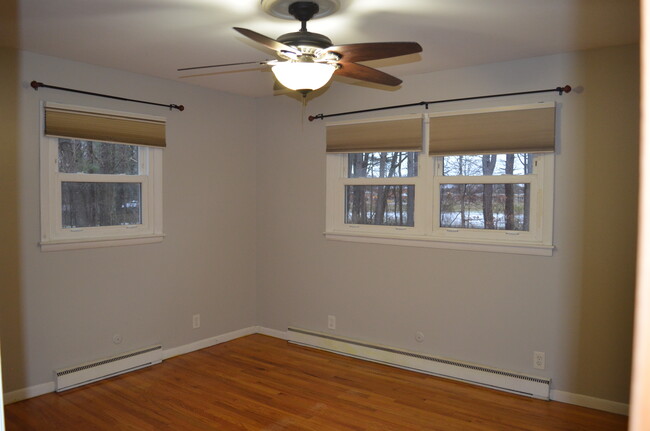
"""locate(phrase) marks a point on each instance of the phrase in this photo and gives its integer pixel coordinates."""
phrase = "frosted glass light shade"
(302, 75)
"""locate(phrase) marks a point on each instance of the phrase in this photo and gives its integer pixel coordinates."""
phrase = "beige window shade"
(514, 131)
(377, 136)
(93, 126)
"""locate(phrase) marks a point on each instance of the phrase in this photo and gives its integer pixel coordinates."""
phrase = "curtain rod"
(35, 85)
(560, 90)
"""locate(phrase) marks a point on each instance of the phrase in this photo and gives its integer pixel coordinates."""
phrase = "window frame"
(54, 237)
(426, 232)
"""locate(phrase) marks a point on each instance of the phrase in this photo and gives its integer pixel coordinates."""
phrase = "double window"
(470, 180)
(101, 178)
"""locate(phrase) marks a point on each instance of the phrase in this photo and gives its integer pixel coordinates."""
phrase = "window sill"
(79, 244)
(428, 242)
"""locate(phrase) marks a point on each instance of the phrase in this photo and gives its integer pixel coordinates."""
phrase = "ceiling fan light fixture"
(300, 76)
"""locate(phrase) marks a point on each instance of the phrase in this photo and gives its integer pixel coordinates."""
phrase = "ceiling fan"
(306, 61)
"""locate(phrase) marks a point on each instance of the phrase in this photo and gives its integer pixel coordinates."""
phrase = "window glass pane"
(89, 157)
(100, 204)
(488, 164)
(485, 206)
(391, 205)
(382, 165)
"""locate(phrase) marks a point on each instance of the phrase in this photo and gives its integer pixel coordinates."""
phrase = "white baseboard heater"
(73, 377)
(537, 387)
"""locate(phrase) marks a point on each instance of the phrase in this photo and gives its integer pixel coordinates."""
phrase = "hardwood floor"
(262, 383)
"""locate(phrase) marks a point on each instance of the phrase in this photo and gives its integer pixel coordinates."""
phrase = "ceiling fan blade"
(374, 51)
(223, 65)
(267, 41)
(365, 73)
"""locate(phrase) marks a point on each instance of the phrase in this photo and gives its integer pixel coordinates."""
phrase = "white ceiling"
(155, 37)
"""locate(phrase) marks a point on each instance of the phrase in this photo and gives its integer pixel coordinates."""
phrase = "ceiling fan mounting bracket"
(281, 8)
(303, 11)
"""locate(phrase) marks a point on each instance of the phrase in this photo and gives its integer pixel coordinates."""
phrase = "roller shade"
(104, 127)
(375, 136)
(509, 131)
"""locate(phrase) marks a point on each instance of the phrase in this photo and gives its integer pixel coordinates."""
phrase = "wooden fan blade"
(374, 51)
(266, 41)
(365, 73)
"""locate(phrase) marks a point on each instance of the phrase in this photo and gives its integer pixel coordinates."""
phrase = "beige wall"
(489, 308)
(70, 303)
(10, 303)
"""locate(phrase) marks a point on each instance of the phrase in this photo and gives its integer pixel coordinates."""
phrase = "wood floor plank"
(259, 383)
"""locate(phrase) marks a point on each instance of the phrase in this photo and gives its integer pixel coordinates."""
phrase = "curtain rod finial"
(36, 84)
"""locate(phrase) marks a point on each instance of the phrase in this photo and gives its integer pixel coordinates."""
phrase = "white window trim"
(426, 232)
(54, 238)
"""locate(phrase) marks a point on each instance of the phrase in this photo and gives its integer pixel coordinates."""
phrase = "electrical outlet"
(331, 322)
(196, 321)
(539, 360)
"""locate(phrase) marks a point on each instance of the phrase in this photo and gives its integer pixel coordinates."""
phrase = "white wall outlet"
(419, 337)
(539, 360)
(196, 321)
(117, 339)
(331, 322)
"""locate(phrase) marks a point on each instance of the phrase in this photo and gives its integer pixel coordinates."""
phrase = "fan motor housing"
(305, 38)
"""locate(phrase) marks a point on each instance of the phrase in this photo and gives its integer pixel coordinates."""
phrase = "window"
(98, 193)
(386, 200)
(432, 197)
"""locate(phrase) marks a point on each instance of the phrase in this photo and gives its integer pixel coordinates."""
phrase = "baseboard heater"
(537, 387)
(83, 374)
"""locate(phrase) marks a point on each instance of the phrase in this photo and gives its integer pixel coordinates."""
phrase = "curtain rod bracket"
(36, 85)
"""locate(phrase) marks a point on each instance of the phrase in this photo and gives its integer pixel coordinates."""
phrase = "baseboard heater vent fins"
(73, 377)
(537, 387)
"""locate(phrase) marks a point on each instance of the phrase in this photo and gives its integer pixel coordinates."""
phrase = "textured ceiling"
(155, 37)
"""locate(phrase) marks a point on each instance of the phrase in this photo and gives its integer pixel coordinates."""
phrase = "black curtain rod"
(36, 85)
(560, 90)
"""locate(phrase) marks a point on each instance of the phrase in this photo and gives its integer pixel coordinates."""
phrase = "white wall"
(72, 302)
(489, 308)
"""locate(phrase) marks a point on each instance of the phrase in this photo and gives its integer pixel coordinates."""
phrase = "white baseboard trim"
(590, 402)
(208, 342)
(30, 392)
(273, 333)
